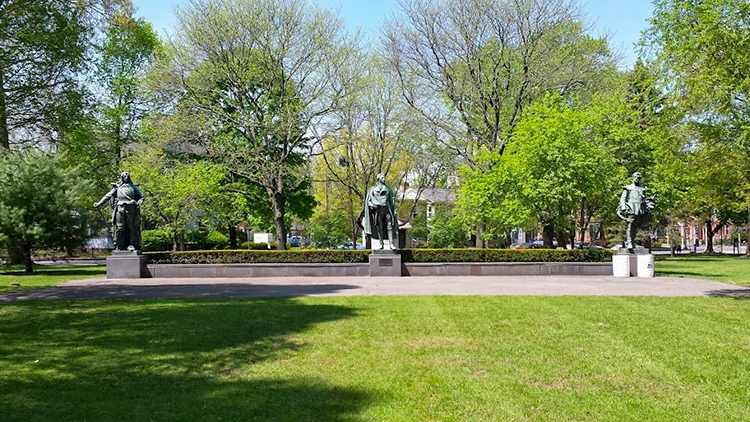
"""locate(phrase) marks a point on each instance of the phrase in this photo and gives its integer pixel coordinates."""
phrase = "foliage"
(701, 50)
(206, 239)
(471, 68)
(505, 255)
(174, 190)
(259, 257)
(329, 230)
(407, 255)
(156, 240)
(43, 204)
(123, 58)
(44, 46)
(257, 84)
(559, 167)
(446, 231)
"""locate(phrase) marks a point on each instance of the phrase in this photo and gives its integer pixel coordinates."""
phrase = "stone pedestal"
(385, 263)
(645, 265)
(626, 264)
(621, 265)
(126, 264)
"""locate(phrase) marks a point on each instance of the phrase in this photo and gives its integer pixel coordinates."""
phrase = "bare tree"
(470, 67)
(262, 73)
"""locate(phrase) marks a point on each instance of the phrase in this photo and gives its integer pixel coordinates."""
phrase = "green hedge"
(407, 255)
(258, 257)
(506, 255)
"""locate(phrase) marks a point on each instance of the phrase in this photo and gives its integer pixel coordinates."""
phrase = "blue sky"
(622, 20)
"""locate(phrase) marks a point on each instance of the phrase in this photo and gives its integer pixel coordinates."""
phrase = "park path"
(173, 288)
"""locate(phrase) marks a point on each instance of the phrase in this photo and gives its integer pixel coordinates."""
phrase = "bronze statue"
(635, 208)
(125, 200)
(380, 213)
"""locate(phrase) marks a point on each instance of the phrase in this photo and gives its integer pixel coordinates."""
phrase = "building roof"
(432, 195)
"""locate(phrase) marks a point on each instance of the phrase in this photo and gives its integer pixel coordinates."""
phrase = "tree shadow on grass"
(163, 360)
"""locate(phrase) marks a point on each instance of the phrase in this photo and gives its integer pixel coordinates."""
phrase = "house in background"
(426, 201)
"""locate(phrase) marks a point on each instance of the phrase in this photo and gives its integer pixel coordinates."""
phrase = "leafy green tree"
(43, 203)
(44, 46)
(701, 50)
(555, 170)
(174, 190)
(329, 230)
(446, 231)
(124, 57)
(471, 68)
(261, 73)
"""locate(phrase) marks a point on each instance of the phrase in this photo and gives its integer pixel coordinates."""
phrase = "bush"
(156, 240)
(407, 255)
(258, 257)
(203, 240)
(506, 255)
(261, 246)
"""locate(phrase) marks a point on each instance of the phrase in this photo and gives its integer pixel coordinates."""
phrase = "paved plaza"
(173, 288)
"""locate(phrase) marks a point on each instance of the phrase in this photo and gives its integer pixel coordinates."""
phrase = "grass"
(47, 276)
(727, 269)
(377, 359)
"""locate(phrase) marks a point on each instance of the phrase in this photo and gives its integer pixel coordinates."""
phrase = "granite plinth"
(127, 264)
(385, 265)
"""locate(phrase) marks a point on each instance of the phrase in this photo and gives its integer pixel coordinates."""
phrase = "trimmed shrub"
(506, 255)
(259, 257)
(261, 246)
(156, 240)
(202, 240)
(356, 256)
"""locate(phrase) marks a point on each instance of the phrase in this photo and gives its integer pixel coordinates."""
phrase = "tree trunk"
(27, 258)
(747, 233)
(232, 235)
(15, 254)
(178, 241)
(480, 231)
(548, 233)
(710, 232)
(278, 203)
(4, 135)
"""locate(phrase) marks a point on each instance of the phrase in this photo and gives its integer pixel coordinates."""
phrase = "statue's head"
(637, 176)
(125, 177)
(381, 178)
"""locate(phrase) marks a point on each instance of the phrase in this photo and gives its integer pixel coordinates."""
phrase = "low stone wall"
(363, 270)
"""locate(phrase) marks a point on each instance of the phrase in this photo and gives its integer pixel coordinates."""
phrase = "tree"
(174, 190)
(43, 204)
(444, 231)
(123, 59)
(556, 173)
(378, 133)
(470, 68)
(262, 73)
(701, 50)
(328, 231)
(42, 52)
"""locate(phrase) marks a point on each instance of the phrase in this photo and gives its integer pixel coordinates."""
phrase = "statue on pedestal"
(635, 208)
(380, 213)
(125, 200)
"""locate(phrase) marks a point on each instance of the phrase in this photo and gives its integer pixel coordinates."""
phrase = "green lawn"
(47, 276)
(377, 359)
(727, 269)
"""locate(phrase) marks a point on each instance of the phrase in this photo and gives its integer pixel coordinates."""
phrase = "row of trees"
(264, 111)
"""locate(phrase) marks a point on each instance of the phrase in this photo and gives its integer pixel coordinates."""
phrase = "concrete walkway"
(171, 288)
